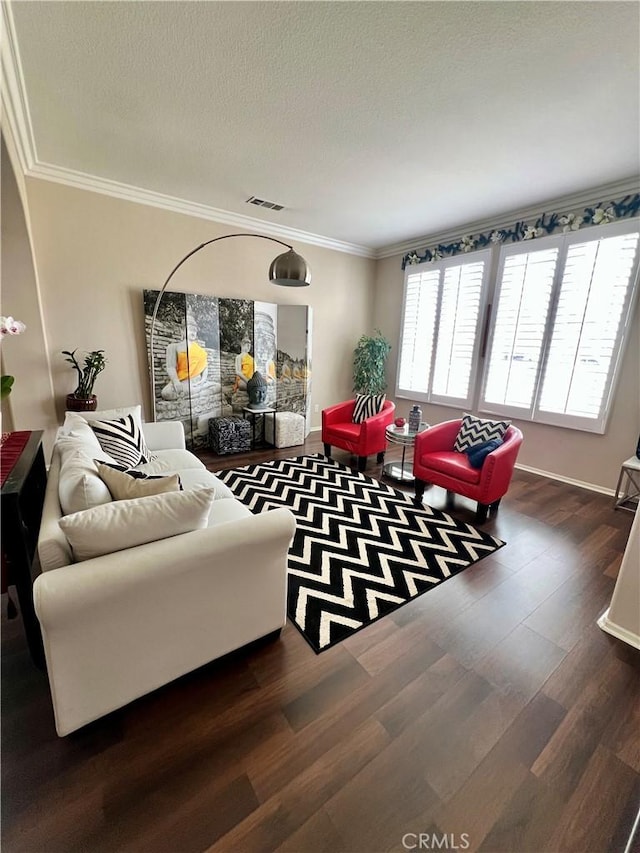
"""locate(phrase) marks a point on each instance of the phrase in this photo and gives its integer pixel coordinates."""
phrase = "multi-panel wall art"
(206, 348)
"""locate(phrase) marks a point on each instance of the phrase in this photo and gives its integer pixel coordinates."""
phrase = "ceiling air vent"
(260, 202)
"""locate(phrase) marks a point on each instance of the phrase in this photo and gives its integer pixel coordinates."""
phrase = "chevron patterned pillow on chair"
(474, 431)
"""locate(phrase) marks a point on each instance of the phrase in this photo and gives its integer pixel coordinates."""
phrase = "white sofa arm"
(118, 626)
(164, 435)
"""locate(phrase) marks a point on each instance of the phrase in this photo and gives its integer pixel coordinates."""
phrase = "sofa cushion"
(228, 509)
(170, 461)
(122, 439)
(111, 414)
(125, 524)
(79, 485)
(451, 463)
(345, 431)
(474, 431)
(125, 486)
(195, 478)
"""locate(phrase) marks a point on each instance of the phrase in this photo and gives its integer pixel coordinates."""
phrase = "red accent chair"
(363, 439)
(435, 461)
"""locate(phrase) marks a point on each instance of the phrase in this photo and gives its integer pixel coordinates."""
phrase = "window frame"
(484, 255)
(534, 414)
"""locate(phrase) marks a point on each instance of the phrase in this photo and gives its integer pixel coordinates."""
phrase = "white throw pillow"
(79, 486)
(125, 524)
(76, 434)
(124, 486)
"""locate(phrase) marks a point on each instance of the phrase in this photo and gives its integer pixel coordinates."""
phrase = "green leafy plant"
(6, 383)
(94, 363)
(369, 359)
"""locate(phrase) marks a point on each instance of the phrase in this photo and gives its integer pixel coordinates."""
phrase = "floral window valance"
(598, 214)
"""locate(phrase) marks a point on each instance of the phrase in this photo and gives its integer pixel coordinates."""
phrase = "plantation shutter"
(440, 330)
(523, 299)
(592, 307)
(418, 325)
(458, 332)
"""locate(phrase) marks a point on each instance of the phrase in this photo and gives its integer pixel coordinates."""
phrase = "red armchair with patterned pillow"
(435, 461)
(364, 439)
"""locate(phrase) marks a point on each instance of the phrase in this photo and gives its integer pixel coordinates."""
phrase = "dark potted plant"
(83, 399)
(369, 358)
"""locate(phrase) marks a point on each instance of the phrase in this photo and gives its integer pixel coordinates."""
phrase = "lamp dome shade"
(290, 270)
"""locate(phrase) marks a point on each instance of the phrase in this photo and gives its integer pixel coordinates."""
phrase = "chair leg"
(362, 463)
(380, 456)
(481, 513)
(449, 500)
(494, 506)
(419, 487)
(327, 449)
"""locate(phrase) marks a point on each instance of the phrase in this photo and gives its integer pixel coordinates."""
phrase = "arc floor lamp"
(289, 269)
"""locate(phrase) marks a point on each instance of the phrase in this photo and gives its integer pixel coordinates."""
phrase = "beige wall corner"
(30, 404)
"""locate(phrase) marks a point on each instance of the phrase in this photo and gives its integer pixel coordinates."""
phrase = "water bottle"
(415, 418)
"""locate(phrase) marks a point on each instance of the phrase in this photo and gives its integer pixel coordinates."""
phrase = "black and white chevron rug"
(361, 549)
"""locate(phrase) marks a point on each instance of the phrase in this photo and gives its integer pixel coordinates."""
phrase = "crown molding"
(14, 100)
(16, 109)
(81, 180)
(563, 204)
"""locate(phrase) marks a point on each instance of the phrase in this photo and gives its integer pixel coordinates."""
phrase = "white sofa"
(120, 625)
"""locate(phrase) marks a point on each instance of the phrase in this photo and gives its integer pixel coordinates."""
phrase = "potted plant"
(9, 326)
(83, 399)
(369, 358)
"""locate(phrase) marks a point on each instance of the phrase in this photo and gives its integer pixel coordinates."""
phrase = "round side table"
(405, 438)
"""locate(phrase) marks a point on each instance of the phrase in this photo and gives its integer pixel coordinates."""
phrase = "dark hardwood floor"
(491, 712)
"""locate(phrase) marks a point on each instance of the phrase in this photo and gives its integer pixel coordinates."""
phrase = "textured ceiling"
(373, 123)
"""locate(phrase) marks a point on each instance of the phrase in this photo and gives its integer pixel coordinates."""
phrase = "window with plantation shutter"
(593, 301)
(560, 311)
(440, 330)
(525, 282)
(416, 345)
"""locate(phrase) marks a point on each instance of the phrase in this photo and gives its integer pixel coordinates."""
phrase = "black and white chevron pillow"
(122, 439)
(366, 406)
(474, 431)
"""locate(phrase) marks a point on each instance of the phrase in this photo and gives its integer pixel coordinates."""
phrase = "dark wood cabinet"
(24, 481)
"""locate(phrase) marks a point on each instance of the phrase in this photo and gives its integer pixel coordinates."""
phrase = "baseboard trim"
(617, 631)
(581, 484)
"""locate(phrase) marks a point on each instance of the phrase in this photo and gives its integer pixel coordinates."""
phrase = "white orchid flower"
(436, 255)
(9, 326)
(496, 236)
(467, 244)
(413, 258)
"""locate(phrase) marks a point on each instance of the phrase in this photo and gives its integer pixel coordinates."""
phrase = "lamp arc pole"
(289, 270)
